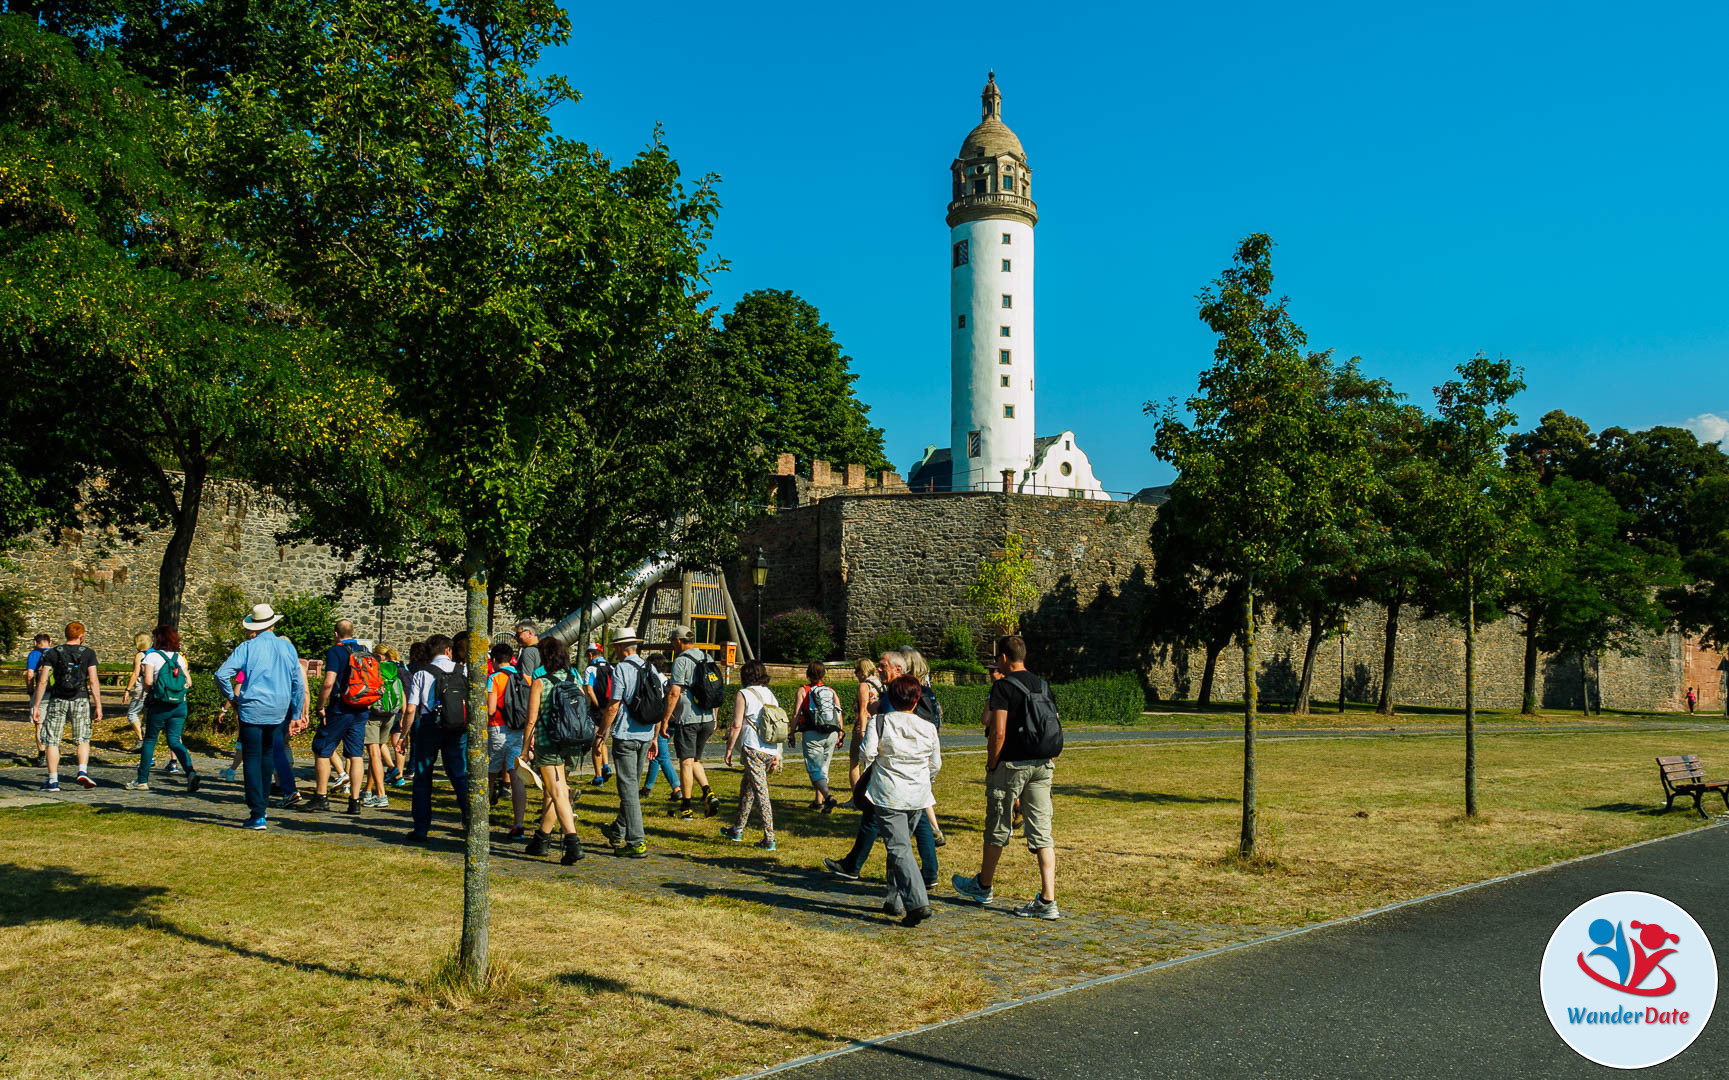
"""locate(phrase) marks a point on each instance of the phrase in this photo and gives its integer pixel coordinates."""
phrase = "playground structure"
(705, 605)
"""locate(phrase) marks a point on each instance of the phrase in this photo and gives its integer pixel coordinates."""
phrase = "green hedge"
(1104, 700)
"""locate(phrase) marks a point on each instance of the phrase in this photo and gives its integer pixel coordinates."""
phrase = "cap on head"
(683, 632)
(594, 646)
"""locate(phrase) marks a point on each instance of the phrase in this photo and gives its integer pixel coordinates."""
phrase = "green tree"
(1472, 512)
(1003, 588)
(1194, 604)
(1262, 458)
(148, 350)
(1396, 561)
(804, 379)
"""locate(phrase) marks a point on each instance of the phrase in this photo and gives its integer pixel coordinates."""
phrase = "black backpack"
(514, 702)
(1041, 730)
(71, 663)
(564, 712)
(648, 701)
(449, 700)
(707, 685)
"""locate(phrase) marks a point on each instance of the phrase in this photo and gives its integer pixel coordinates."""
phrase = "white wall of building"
(978, 397)
(1064, 470)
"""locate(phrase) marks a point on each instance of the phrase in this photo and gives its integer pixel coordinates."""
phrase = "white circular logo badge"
(1629, 980)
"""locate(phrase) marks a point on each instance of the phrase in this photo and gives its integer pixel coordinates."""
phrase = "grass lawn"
(143, 945)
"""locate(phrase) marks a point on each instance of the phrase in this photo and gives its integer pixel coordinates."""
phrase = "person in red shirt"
(504, 736)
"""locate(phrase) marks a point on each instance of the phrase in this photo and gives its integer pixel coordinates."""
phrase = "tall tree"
(1193, 604)
(1261, 455)
(1396, 561)
(804, 379)
(1471, 512)
(150, 352)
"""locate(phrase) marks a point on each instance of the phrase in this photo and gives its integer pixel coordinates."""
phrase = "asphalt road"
(1446, 988)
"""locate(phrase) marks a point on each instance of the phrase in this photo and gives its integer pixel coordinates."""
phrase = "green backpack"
(390, 687)
(172, 682)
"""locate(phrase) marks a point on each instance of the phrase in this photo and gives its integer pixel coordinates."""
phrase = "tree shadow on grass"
(31, 894)
(1094, 791)
(1632, 808)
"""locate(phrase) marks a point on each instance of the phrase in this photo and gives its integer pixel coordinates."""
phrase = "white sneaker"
(342, 785)
(1039, 908)
(137, 785)
(375, 802)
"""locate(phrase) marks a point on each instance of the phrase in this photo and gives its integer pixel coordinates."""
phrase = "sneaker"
(710, 804)
(970, 888)
(643, 792)
(353, 807)
(497, 794)
(613, 835)
(765, 844)
(84, 780)
(50, 785)
(342, 785)
(676, 795)
(894, 910)
(514, 834)
(918, 915)
(41, 759)
(399, 782)
(839, 870)
(256, 824)
(137, 785)
(317, 804)
(1038, 908)
(173, 767)
(938, 839)
(829, 805)
(600, 781)
(735, 835)
(226, 775)
(294, 801)
(193, 783)
(392, 775)
(684, 813)
(630, 851)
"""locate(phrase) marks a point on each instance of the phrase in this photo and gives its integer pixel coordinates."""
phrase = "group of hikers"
(383, 721)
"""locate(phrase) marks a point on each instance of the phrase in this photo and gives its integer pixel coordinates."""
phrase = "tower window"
(1008, 238)
(978, 187)
(1004, 379)
(1008, 301)
(961, 257)
(974, 447)
(1003, 356)
(1008, 412)
(962, 325)
(1008, 183)
(1066, 469)
(1002, 331)
(1066, 446)
(1005, 266)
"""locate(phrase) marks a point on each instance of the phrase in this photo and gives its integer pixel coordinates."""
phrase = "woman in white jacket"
(903, 754)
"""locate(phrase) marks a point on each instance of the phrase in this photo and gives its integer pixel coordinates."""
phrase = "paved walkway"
(1444, 988)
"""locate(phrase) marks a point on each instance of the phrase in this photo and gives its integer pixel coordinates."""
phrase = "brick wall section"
(110, 585)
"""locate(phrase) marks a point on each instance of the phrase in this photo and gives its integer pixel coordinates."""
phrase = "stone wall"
(110, 585)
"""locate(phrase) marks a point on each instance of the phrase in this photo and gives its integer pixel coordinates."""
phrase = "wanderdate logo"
(1629, 980)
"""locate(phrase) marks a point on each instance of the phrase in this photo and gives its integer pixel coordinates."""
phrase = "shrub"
(970, 667)
(308, 620)
(1104, 699)
(957, 642)
(14, 624)
(888, 641)
(223, 612)
(798, 637)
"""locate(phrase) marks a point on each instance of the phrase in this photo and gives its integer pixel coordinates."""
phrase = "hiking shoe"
(137, 785)
(917, 915)
(193, 783)
(894, 910)
(294, 801)
(84, 780)
(315, 805)
(829, 804)
(573, 850)
(353, 807)
(684, 813)
(765, 844)
(226, 775)
(41, 759)
(50, 785)
(839, 870)
(1038, 908)
(415, 836)
(643, 792)
(676, 795)
(613, 835)
(970, 888)
(710, 804)
(536, 845)
(629, 851)
(938, 839)
(256, 824)
(173, 767)
(515, 834)
(735, 835)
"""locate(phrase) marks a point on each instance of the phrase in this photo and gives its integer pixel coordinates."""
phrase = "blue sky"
(1544, 182)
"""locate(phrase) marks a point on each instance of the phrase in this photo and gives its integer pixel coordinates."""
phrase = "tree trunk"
(476, 869)
(1389, 653)
(1307, 684)
(171, 580)
(1246, 842)
(1584, 686)
(1529, 707)
(1205, 698)
(1470, 696)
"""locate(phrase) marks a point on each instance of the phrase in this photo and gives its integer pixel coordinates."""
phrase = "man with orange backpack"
(352, 685)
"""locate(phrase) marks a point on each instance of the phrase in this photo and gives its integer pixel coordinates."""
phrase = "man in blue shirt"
(271, 696)
(341, 725)
(633, 747)
(42, 644)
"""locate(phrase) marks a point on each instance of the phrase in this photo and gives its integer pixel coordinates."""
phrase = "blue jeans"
(258, 744)
(170, 721)
(425, 747)
(663, 763)
(868, 831)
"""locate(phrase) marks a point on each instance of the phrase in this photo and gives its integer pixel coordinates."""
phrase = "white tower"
(991, 219)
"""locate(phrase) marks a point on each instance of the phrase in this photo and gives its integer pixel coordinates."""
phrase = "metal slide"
(645, 575)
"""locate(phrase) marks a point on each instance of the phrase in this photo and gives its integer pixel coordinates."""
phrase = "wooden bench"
(1685, 775)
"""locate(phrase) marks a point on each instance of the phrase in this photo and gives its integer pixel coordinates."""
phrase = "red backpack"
(364, 685)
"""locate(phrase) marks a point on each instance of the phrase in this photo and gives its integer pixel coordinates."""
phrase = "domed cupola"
(991, 177)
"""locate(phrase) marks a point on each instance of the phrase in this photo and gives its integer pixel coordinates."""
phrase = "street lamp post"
(1344, 632)
(382, 594)
(759, 578)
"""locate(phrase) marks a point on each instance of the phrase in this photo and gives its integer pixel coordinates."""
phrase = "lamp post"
(1344, 632)
(381, 595)
(759, 578)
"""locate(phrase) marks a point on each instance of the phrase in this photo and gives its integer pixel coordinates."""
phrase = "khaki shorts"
(378, 727)
(59, 714)
(1030, 782)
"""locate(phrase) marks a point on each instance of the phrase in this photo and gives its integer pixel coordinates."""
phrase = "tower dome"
(991, 176)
